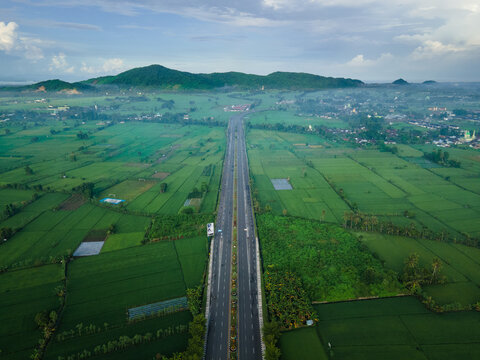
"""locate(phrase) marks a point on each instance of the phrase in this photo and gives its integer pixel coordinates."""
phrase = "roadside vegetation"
(305, 261)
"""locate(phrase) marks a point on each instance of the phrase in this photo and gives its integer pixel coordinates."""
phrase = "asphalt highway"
(219, 315)
(248, 325)
(249, 344)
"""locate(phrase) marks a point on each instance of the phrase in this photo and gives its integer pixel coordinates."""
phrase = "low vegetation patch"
(306, 260)
(178, 226)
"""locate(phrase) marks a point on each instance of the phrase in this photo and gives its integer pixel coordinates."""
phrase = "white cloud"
(59, 63)
(457, 32)
(77, 26)
(12, 43)
(430, 49)
(8, 36)
(113, 65)
(108, 66)
(360, 61)
(87, 69)
(31, 48)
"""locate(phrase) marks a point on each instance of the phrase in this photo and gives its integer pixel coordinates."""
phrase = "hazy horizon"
(367, 39)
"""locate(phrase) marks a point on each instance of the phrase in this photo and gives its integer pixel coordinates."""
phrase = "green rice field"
(393, 328)
(43, 167)
(377, 183)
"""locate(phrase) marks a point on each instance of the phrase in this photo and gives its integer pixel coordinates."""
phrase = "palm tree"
(374, 222)
(79, 328)
(366, 222)
(356, 220)
(345, 219)
(436, 266)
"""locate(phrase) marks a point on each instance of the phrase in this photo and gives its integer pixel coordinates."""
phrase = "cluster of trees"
(12, 209)
(331, 263)
(194, 298)
(197, 336)
(82, 135)
(112, 229)
(9, 210)
(163, 187)
(169, 227)
(18, 186)
(41, 260)
(415, 276)
(271, 335)
(360, 221)
(179, 118)
(168, 104)
(386, 148)
(365, 222)
(6, 233)
(293, 128)
(28, 170)
(46, 323)
(123, 342)
(80, 330)
(430, 303)
(442, 158)
(372, 128)
(198, 193)
(87, 189)
(287, 301)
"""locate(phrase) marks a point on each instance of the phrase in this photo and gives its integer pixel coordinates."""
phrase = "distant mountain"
(400, 82)
(429, 82)
(55, 85)
(157, 76)
(160, 77)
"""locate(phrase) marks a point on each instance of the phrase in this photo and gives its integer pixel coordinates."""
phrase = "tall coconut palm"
(436, 266)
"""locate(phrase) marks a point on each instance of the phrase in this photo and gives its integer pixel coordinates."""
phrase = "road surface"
(248, 326)
(249, 344)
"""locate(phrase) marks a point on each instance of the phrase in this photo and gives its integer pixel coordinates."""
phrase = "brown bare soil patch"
(70, 91)
(160, 175)
(72, 203)
(96, 235)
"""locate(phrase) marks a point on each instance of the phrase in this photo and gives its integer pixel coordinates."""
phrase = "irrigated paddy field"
(53, 174)
(329, 179)
(337, 219)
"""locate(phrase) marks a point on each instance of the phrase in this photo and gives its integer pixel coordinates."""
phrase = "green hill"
(157, 76)
(55, 85)
(161, 77)
(400, 82)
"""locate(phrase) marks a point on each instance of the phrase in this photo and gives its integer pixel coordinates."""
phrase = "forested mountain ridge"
(157, 76)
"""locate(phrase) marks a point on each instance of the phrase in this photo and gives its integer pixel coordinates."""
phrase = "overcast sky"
(371, 40)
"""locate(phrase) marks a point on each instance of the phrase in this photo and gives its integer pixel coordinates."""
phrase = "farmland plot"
(377, 183)
(23, 294)
(133, 277)
(462, 271)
